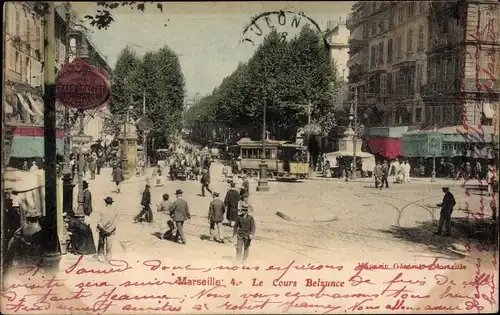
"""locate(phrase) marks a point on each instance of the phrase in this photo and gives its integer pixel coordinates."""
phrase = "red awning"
(34, 132)
(386, 147)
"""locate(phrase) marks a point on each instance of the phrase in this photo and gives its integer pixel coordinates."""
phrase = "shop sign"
(81, 85)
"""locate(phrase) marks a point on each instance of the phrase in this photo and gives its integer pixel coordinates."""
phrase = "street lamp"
(125, 142)
(358, 130)
(433, 174)
(262, 183)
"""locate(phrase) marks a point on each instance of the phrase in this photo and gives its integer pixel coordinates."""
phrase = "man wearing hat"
(246, 185)
(244, 230)
(106, 225)
(215, 217)
(87, 199)
(205, 182)
(179, 212)
(146, 206)
(446, 210)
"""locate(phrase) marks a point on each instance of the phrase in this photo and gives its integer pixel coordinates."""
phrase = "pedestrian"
(231, 203)
(205, 182)
(179, 211)
(163, 209)
(25, 166)
(491, 179)
(406, 174)
(446, 210)
(146, 206)
(87, 199)
(377, 174)
(244, 230)
(118, 177)
(92, 165)
(385, 175)
(216, 211)
(106, 226)
(100, 162)
(246, 185)
(159, 176)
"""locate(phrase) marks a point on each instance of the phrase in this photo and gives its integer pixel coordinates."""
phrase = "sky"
(206, 35)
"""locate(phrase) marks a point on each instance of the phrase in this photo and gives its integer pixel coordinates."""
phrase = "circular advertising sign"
(81, 85)
(144, 124)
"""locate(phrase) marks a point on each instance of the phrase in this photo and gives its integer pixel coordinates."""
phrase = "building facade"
(463, 64)
(23, 88)
(388, 61)
(337, 36)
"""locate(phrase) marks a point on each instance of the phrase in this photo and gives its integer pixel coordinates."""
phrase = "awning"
(387, 147)
(25, 104)
(37, 105)
(29, 147)
(488, 110)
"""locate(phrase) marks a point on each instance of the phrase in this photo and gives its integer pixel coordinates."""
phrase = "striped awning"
(25, 104)
(37, 105)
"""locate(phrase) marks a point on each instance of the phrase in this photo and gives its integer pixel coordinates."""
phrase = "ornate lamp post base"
(262, 183)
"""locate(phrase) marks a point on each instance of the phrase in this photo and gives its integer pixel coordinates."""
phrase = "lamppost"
(262, 183)
(358, 130)
(433, 174)
(125, 142)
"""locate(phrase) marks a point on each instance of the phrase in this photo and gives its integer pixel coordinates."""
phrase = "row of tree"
(158, 77)
(282, 75)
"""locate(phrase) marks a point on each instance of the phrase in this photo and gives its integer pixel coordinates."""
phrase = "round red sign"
(81, 85)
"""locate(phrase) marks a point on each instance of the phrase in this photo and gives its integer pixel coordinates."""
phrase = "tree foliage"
(104, 17)
(281, 75)
(158, 77)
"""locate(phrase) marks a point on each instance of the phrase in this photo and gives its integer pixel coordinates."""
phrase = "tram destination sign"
(81, 85)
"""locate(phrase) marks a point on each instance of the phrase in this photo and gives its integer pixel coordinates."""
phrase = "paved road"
(352, 219)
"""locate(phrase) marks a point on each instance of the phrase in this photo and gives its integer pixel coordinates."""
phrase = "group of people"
(173, 215)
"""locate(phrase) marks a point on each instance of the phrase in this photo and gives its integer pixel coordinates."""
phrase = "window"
(372, 57)
(420, 38)
(420, 70)
(399, 44)
(383, 84)
(418, 115)
(389, 50)
(374, 6)
(391, 17)
(411, 9)
(17, 65)
(389, 83)
(409, 41)
(374, 29)
(400, 14)
(381, 53)
(27, 70)
(18, 21)
(38, 35)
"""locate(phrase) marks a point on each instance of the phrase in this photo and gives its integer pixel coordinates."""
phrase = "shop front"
(450, 147)
(385, 141)
(28, 143)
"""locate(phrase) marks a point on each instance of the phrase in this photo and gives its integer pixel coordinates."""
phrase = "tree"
(104, 18)
(282, 75)
(159, 77)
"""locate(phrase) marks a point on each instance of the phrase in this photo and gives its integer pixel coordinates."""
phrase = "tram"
(285, 160)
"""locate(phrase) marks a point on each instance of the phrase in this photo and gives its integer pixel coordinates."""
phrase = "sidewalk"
(418, 180)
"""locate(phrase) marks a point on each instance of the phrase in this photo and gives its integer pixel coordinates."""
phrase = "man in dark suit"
(215, 217)
(146, 206)
(244, 229)
(385, 175)
(87, 199)
(179, 212)
(231, 202)
(205, 182)
(446, 210)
